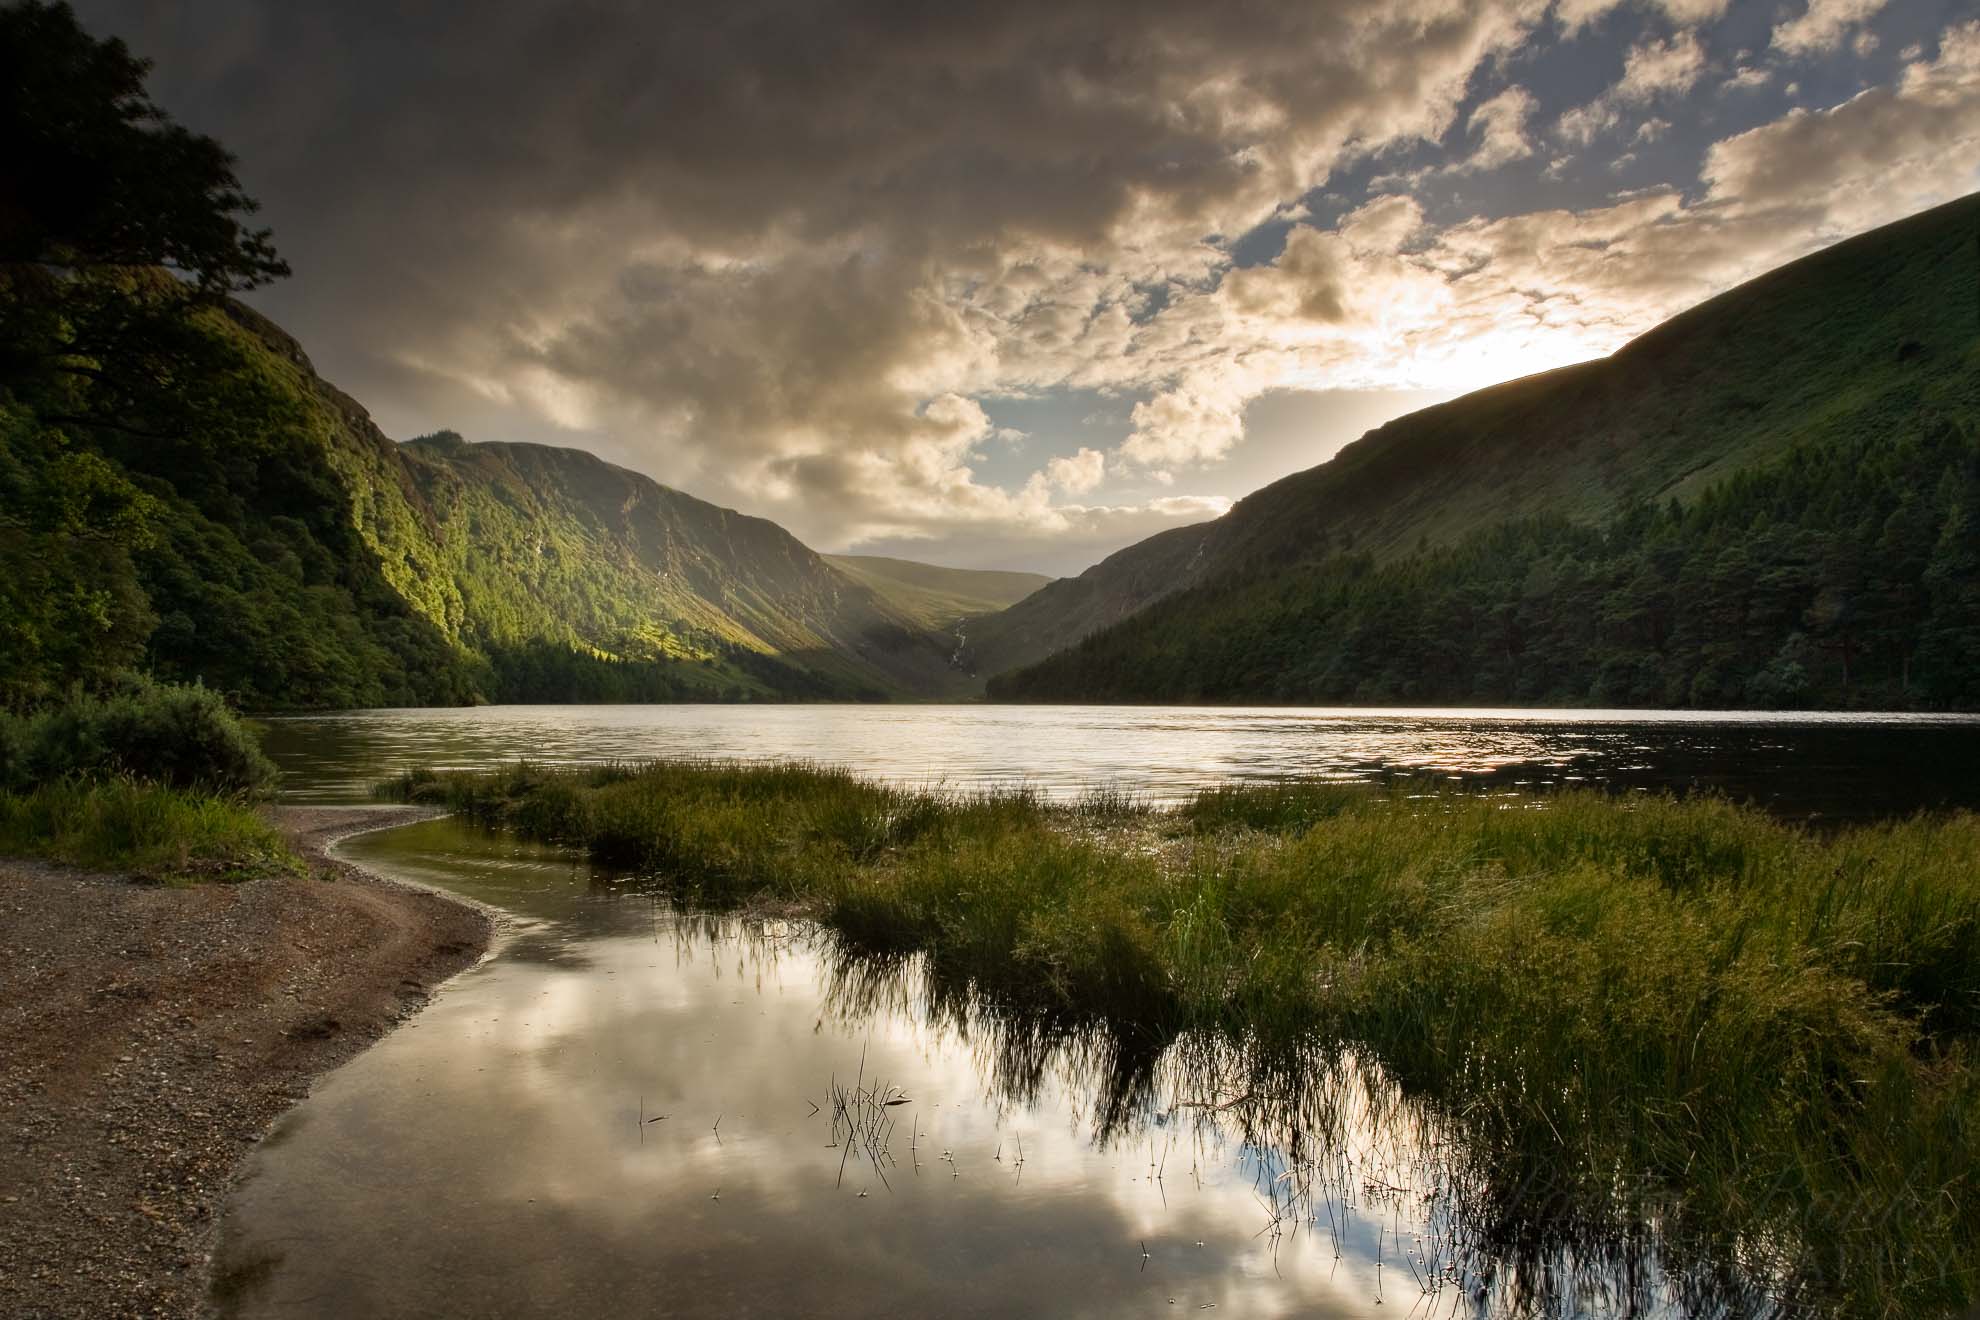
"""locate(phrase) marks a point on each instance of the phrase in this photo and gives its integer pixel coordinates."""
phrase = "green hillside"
(206, 536)
(278, 547)
(1767, 500)
(555, 543)
(937, 598)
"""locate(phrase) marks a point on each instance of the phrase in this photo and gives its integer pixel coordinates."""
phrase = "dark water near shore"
(630, 1110)
(1835, 766)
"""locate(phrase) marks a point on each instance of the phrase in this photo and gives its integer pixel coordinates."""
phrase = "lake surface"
(1838, 766)
(633, 1110)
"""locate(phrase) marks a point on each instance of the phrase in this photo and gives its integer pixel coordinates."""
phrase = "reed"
(1769, 1029)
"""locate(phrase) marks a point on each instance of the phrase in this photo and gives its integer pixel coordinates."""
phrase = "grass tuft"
(169, 835)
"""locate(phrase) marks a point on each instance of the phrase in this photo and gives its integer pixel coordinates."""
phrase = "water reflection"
(630, 1108)
(1340, 1161)
(1835, 765)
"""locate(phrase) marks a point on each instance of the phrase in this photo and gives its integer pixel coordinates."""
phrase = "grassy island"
(1764, 1032)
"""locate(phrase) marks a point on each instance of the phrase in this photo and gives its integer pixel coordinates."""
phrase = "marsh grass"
(159, 833)
(1768, 1032)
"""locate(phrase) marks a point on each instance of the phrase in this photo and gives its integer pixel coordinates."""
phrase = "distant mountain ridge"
(552, 542)
(938, 597)
(1848, 343)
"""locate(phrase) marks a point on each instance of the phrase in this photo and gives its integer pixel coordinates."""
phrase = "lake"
(630, 1108)
(1836, 766)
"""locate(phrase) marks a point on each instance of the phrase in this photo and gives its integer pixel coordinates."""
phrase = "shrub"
(183, 737)
(13, 750)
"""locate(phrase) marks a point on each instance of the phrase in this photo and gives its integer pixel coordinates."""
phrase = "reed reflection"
(1458, 1215)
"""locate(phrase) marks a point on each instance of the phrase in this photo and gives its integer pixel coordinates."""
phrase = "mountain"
(575, 578)
(938, 598)
(1809, 434)
(1064, 611)
(556, 546)
(276, 545)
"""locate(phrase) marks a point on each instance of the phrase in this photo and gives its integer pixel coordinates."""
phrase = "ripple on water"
(1840, 766)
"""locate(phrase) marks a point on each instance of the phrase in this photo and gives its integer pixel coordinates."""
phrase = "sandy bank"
(149, 1037)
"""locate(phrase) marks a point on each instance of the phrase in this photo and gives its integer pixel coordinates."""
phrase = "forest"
(1841, 576)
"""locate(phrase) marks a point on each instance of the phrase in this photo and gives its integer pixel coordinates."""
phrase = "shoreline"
(150, 1037)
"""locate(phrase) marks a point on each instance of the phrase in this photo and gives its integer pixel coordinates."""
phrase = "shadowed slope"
(1838, 348)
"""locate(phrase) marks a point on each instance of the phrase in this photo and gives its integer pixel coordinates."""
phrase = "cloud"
(1747, 78)
(1500, 125)
(1878, 156)
(1695, 11)
(1823, 26)
(1386, 301)
(1078, 473)
(753, 252)
(1584, 123)
(1577, 14)
(1196, 421)
(1651, 69)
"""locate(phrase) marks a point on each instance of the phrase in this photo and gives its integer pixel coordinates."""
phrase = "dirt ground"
(150, 1036)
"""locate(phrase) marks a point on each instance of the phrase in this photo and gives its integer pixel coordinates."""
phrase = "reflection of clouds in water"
(510, 1120)
(504, 1165)
(1823, 761)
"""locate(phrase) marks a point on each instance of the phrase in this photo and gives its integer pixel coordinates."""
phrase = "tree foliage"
(71, 609)
(97, 176)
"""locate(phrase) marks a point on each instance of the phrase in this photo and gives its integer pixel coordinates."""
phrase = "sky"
(1014, 285)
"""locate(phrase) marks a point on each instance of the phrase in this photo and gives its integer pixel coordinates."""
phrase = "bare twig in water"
(862, 1123)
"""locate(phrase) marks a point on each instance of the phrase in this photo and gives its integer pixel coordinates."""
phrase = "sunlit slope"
(937, 597)
(550, 541)
(309, 560)
(281, 561)
(1872, 334)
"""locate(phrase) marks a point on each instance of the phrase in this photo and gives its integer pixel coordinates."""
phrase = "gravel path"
(149, 1037)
